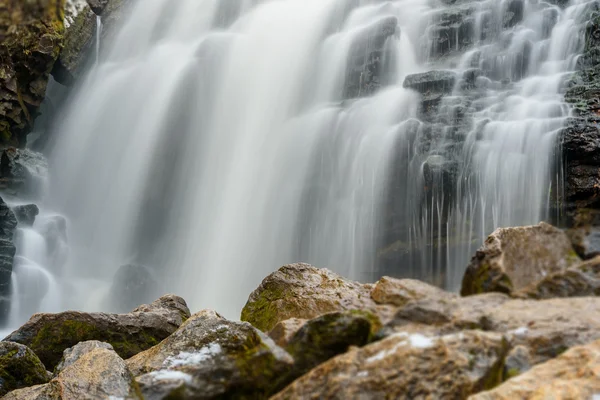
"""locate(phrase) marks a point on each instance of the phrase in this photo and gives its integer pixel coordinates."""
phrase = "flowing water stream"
(214, 141)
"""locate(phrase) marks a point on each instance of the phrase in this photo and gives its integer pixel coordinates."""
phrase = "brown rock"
(513, 258)
(97, 374)
(48, 335)
(211, 357)
(398, 292)
(406, 366)
(581, 280)
(571, 376)
(305, 292)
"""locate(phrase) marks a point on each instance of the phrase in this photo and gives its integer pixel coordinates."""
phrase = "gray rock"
(48, 335)
(71, 355)
(8, 226)
(26, 214)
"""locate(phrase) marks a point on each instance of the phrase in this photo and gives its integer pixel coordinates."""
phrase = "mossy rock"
(19, 368)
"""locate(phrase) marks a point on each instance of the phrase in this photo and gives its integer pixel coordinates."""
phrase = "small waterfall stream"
(214, 141)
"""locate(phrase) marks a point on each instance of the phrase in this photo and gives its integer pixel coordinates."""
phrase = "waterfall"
(214, 140)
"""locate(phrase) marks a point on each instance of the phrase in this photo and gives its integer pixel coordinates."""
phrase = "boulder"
(303, 291)
(71, 355)
(19, 368)
(327, 336)
(573, 375)
(132, 285)
(31, 34)
(408, 366)
(545, 327)
(581, 280)
(211, 357)
(431, 83)
(399, 292)
(8, 226)
(78, 43)
(26, 214)
(48, 335)
(96, 372)
(513, 258)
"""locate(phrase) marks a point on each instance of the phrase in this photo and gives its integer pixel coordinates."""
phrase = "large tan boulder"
(571, 376)
(407, 366)
(96, 373)
(48, 335)
(513, 258)
(211, 357)
(302, 291)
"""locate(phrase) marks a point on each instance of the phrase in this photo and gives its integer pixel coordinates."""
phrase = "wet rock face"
(98, 6)
(19, 367)
(48, 335)
(21, 170)
(513, 258)
(366, 69)
(572, 375)
(211, 357)
(78, 42)
(408, 366)
(8, 226)
(31, 34)
(26, 214)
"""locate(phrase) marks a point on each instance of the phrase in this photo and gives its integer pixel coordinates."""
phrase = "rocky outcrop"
(303, 291)
(97, 372)
(211, 357)
(573, 375)
(8, 226)
(78, 42)
(31, 35)
(283, 332)
(19, 368)
(21, 171)
(26, 214)
(366, 67)
(408, 366)
(399, 292)
(48, 335)
(513, 258)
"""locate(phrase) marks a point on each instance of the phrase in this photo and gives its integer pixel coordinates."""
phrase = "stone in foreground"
(573, 375)
(96, 372)
(19, 368)
(211, 357)
(48, 335)
(408, 366)
(305, 292)
(513, 258)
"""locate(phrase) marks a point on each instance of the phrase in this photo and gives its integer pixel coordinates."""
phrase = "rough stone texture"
(48, 335)
(580, 280)
(573, 375)
(98, 6)
(327, 336)
(303, 291)
(211, 357)
(97, 374)
(8, 226)
(398, 292)
(26, 214)
(517, 362)
(71, 355)
(31, 34)
(78, 42)
(21, 171)
(285, 330)
(19, 368)
(513, 258)
(409, 367)
(545, 327)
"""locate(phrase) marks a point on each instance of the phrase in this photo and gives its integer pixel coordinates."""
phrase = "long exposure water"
(214, 141)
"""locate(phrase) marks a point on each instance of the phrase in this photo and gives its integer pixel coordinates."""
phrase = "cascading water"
(217, 140)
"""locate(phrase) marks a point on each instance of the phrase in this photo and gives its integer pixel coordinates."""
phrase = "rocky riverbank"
(525, 327)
